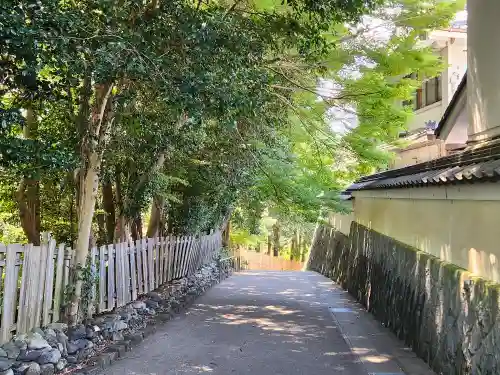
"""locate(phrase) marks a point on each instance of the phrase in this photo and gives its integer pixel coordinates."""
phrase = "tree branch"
(102, 109)
(231, 8)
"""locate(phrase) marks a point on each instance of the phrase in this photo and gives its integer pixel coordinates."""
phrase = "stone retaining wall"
(449, 318)
(87, 348)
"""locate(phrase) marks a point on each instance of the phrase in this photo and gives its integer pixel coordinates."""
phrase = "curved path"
(262, 323)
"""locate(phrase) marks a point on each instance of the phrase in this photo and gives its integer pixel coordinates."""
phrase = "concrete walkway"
(272, 323)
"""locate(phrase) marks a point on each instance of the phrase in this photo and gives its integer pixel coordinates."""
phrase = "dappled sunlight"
(361, 351)
(202, 368)
(281, 310)
(375, 358)
(333, 354)
(296, 318)
(264, 323)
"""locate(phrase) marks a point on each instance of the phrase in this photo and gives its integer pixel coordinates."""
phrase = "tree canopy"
(130, 118)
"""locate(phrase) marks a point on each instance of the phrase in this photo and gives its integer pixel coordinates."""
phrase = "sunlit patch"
(375, 359)
(203, 368)
(361, 351)
(281, 310)
(340, 310)
(331, 354)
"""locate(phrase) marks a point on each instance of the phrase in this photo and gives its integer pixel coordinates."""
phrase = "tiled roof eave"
(477, 165)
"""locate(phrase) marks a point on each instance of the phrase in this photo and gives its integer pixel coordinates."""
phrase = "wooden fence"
(35, 278)
(252, 260)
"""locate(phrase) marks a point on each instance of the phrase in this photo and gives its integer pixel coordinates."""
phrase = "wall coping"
(488, 191)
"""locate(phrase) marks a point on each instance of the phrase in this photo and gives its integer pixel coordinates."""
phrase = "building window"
(432, 89)
(429, 93)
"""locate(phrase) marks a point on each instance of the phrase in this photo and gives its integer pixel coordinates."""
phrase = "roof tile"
(470, 166)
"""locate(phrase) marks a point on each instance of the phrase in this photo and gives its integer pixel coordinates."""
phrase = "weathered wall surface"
(463, 231)
(341, 222)
(448, 318)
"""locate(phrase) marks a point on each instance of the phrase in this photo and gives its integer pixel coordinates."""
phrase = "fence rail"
(35, 278)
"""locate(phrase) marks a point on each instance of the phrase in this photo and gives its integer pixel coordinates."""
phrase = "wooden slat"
(133, 272)
(178, 243)
(49, 283)
(37, 287)
(194, 245)
(172, 245)
(156, 260)
(161, 256)
(153, 259)
(126, 274)
(167, 258)
(92, 265)
(204, 245)
(183, 254)
(119, 277)
(102, 279)
(151, 270)
(201, 251)
(30, 304)
(144, 258)
(194, 262)
(118, 289)
(191, 255)
(186, 257)
(178, 255)
(58, 287)
(67, 267)
(68, 259)
(171, 250)
(111, 277)
(23, 295)
(138, 258)
(9, 291)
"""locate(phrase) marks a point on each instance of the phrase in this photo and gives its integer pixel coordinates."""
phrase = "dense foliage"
(131, 118)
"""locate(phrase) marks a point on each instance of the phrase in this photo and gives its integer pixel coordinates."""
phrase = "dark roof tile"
(470, 166)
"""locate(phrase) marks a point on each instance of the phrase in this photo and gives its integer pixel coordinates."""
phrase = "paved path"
(270, 323)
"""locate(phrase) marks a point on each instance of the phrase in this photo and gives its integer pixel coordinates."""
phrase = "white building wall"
(454, 54)
(432, 112)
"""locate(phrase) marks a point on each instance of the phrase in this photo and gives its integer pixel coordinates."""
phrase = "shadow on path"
(262, 323)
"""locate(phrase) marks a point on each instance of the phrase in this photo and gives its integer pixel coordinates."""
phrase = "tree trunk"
(93, 128)
(101, 225)
(108, 205)
(276, 240)
(269, 244)
(303, 252)
(226, 234)
(28, 192)
(87, 196)
(293, 246)
(122, 227)
(136, 228)
(155, 219)
(28, 201)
